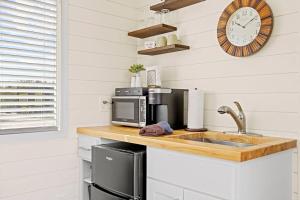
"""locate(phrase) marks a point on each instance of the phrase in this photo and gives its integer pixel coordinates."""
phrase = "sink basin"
(240, 141)
(221, 142)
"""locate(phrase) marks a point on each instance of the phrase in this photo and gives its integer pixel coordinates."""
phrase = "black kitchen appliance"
(139, 107)
(170, 105)
(118, 172)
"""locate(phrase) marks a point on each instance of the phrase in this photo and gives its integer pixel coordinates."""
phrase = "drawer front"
(206, 175)
(157, 190)
(86, 142)
(85, 154)
(190, 195)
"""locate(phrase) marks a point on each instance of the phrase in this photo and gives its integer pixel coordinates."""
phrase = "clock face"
(243, 26)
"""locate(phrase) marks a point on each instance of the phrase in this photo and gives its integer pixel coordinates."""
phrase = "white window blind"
(28, 65)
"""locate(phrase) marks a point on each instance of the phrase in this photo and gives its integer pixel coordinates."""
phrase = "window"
(29, 65)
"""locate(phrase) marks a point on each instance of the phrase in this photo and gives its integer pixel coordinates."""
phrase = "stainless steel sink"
(221, 142)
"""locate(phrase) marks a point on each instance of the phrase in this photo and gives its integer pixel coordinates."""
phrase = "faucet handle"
(239, 106)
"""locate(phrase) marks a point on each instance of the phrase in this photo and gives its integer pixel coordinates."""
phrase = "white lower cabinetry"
(205, 175)
(179, 176)
(157, 190)
(190, 195)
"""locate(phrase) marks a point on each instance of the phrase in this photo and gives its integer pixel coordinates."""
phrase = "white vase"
(136, 80)
(133, 82)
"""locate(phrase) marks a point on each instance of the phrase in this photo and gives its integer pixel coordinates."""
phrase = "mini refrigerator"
(118, 172)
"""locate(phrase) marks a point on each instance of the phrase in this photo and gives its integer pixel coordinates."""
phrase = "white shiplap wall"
(39, 169)
(99, 55)
(266, 84)
(40, 165)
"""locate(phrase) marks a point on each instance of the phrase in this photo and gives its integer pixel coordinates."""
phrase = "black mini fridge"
(118, 172)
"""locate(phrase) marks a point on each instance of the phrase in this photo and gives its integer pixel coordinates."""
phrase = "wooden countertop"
(262, 146)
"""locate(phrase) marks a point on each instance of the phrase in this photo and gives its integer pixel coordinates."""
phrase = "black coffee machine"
(169, 105)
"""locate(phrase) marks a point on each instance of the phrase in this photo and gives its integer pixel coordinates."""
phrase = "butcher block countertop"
(177, 142)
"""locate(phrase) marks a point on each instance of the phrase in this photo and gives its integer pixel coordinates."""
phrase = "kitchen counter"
(177, 142)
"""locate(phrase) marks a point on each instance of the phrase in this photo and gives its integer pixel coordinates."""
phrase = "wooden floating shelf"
(174, 4)
(163, 50)
(152, 31)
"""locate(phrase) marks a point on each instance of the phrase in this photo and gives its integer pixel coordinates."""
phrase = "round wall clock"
(245, 26)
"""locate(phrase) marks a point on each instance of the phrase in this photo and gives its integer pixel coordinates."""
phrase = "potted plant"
(136, 77)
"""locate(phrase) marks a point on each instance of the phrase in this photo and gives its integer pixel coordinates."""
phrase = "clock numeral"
(258, 24)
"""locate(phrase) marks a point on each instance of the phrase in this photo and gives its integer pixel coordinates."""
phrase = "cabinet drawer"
(86, 142)
(157, 190)
(189, 195)
(85, 154)
(206, 175)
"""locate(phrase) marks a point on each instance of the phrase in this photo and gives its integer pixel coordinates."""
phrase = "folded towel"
(162, 128)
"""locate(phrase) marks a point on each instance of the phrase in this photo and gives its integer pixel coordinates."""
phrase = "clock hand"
(239, 25)
(250, 21)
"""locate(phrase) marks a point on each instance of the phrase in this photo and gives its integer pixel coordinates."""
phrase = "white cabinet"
(265, 178)
(157, 190)
(206, 175)
(85, 144)
(190, 195)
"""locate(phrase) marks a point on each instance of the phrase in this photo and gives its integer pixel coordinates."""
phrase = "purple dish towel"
(162, 128)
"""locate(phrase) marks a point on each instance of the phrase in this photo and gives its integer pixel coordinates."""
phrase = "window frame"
(61, 87)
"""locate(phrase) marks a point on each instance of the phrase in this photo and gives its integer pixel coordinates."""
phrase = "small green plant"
(136, 68)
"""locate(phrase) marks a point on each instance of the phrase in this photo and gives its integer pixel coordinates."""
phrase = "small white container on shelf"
(149, 44)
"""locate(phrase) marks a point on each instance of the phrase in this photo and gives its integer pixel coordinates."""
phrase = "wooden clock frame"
(267, 22)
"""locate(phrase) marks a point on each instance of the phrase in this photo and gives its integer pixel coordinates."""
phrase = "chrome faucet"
(239, 119)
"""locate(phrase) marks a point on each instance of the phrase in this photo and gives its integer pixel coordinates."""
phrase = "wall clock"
(245, 26)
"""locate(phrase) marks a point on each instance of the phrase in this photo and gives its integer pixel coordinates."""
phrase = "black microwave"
(129, 110)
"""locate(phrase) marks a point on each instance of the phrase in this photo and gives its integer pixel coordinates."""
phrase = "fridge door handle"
(112, 193)
(90, 191)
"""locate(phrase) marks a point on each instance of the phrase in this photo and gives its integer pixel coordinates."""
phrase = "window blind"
(28, 65)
